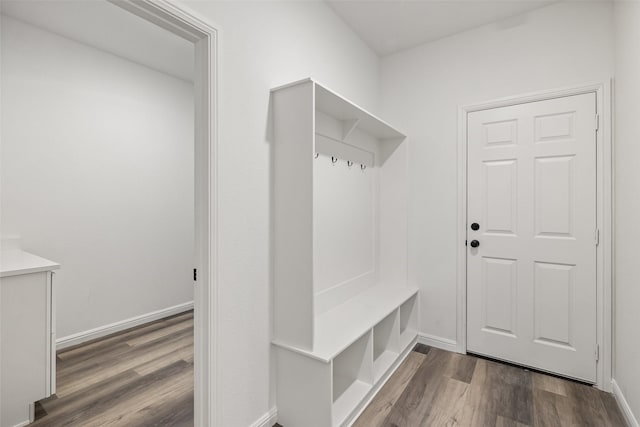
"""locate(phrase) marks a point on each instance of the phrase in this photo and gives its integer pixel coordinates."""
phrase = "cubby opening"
(408, 320)
(386, 346)
(352, 377)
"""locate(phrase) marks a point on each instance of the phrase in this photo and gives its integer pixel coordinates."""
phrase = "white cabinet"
(27, 335)
(344, 316)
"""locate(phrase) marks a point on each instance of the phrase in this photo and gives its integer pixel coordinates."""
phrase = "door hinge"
(597, 352)
(195, 274)
(597, 237)
(597, 122)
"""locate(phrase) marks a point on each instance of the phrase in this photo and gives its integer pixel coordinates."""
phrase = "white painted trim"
(184, 22)
(438, 342)
(542, 95)
(605, 171)
(631, 420)
(23, 423)
(461, 235)
(103, 331)
(268, 419)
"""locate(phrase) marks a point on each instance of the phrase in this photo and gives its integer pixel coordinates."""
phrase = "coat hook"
(334, 159)
(363, 167)
(349, 163)
(317, 155)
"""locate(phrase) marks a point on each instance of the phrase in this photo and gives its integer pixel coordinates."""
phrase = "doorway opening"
(204, 39)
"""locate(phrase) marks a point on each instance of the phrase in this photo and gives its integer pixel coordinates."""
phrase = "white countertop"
(14, 262)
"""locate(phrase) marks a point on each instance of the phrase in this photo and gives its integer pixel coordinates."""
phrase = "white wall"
(264, 44)
(565, 44)
(97, 174)
(627, 195)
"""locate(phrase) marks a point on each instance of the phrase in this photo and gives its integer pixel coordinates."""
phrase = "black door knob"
(474, 243)
(475, 226)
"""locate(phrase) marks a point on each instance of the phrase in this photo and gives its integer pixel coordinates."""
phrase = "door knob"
(474, 243)
(475, 226)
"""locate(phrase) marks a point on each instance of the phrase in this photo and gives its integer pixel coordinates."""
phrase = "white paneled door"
(531, 254)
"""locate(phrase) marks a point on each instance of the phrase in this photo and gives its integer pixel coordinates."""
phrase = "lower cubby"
(408, 320)
(386, 345)
(328, 387)
(352, 377)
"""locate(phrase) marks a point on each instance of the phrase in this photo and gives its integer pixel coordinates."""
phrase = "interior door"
(531, 254)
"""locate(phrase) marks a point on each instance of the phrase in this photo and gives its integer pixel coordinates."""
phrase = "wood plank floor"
(144, 377)
(139, 377)
(434, 387)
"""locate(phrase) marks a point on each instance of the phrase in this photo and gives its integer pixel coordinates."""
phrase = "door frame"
(186, 24)
(604, 212)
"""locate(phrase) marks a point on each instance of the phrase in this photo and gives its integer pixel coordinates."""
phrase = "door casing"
(604, 196)
(184, 23)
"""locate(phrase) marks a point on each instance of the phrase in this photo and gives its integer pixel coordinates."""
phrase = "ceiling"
(389, 26)
(110, 28)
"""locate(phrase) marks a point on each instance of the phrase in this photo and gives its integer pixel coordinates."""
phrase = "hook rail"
(334, 160)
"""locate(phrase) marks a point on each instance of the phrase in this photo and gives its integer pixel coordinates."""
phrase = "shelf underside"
(335, 105)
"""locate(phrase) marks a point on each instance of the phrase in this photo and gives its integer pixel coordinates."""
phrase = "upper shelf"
(342, 109)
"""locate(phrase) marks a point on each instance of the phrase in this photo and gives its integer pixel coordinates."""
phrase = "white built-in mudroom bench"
(27, 333)
(344, 316)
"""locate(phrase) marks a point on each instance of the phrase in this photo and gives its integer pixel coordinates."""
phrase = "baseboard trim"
(624, 405)
(268, 419)
(103, 331)
(438, 342)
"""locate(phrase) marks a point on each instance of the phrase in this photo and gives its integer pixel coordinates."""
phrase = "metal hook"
(317, 155)
(363, 167)
(334, 159)
(349, 163)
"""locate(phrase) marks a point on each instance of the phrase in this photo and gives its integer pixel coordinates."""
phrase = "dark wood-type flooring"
(139, 377)
(434, 387)
(144, 377)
